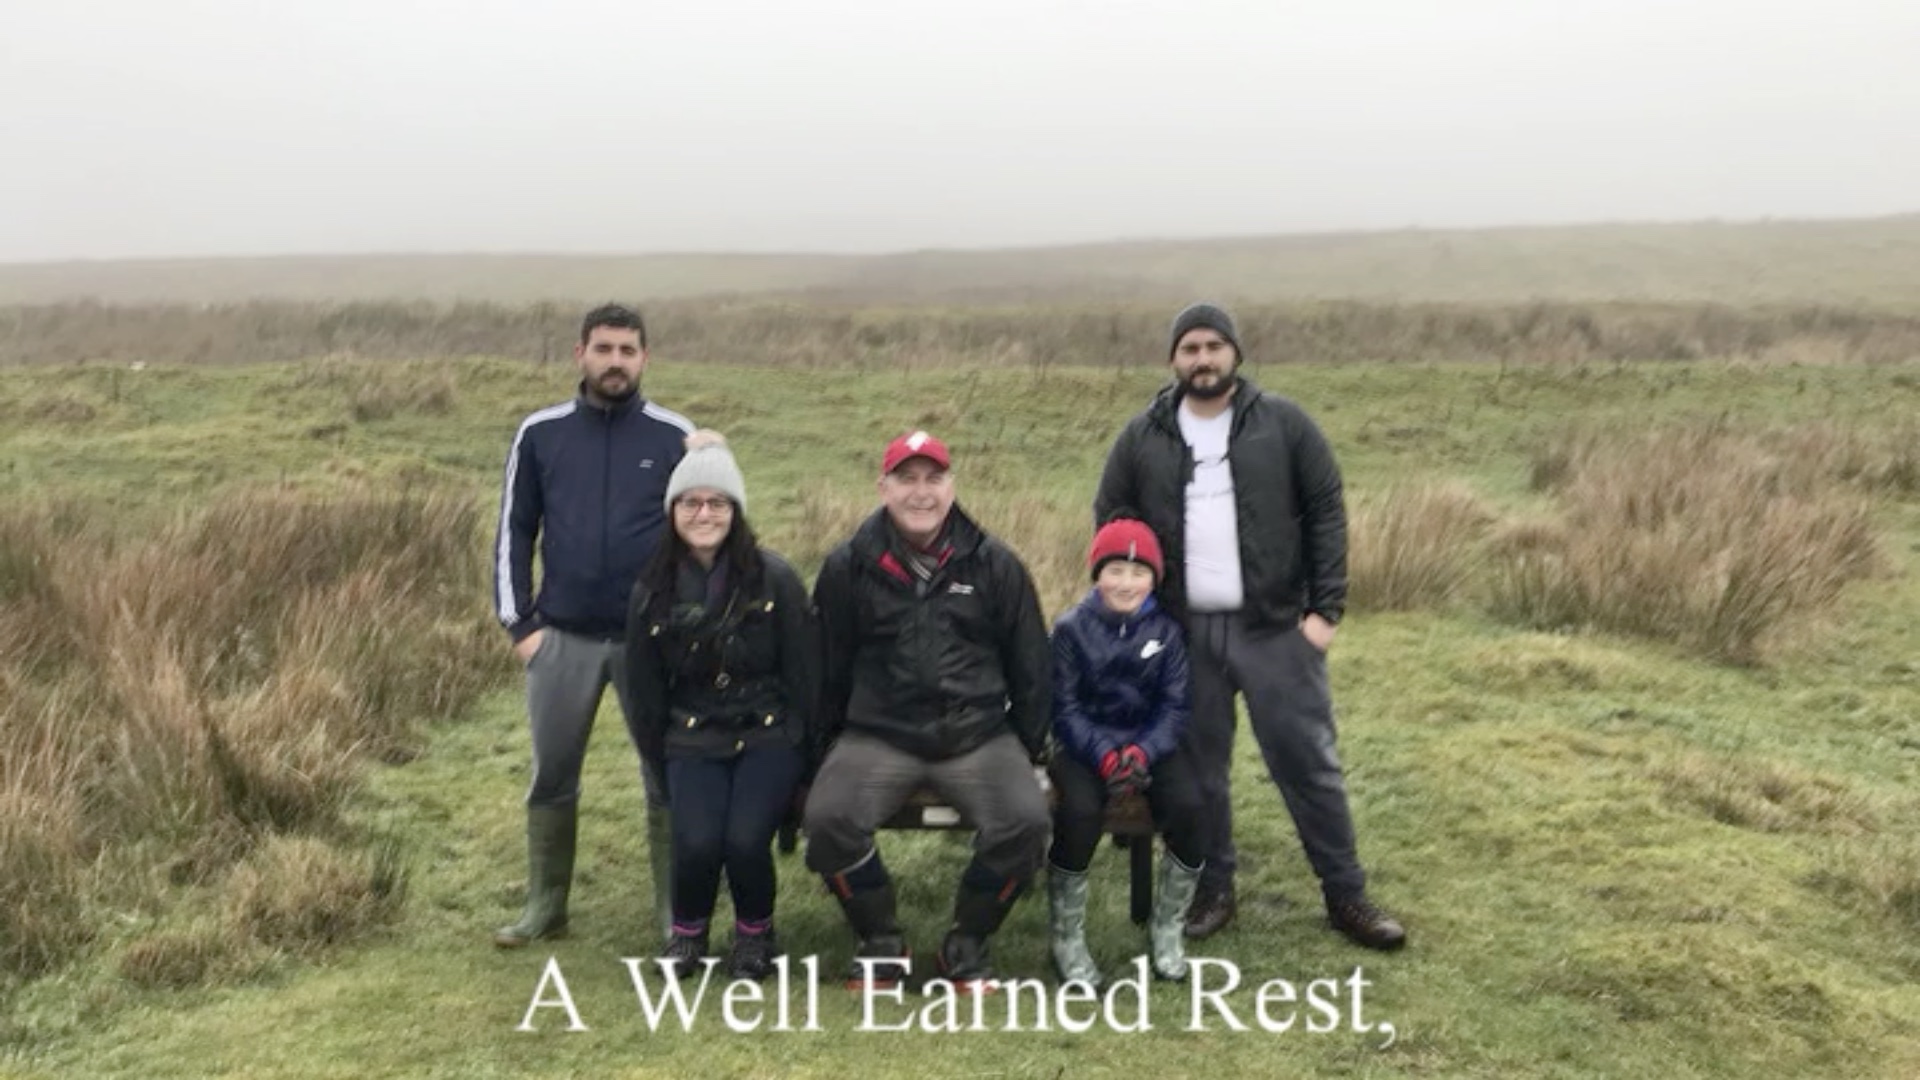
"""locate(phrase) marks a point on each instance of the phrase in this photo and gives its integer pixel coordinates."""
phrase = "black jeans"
(725, 812)
(1173, 796)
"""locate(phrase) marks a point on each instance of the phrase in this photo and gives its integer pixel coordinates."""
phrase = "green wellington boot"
(551, 835)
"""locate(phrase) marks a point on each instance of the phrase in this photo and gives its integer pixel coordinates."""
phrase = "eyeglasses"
(716, 506)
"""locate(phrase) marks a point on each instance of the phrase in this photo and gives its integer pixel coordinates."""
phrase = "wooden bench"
(1128, 820)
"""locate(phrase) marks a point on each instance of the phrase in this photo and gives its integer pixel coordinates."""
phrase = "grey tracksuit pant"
(865, 780)
(566, 679)
(1284, 680)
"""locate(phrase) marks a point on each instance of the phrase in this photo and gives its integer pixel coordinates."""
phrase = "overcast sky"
(210, 127)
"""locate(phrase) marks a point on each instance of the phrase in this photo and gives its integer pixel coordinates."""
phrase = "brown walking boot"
(1364, 924)
(1212, 910)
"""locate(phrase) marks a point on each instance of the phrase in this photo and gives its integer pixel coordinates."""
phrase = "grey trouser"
(864, 781)
(1284, 680)
(566, 679)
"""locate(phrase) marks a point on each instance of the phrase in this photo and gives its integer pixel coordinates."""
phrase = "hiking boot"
(1067, 927)
(964, 961)
(683, 954)
(887, 966)
(551, 835)
(1178, 883)
(752, 955)
(1210, 912)
(1365, 924)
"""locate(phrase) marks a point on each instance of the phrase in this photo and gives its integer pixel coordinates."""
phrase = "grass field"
(1615, 855)
(1866, 263)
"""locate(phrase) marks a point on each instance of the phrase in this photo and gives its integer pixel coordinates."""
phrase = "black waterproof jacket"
(1286, 494)
(712, 683)
(935, 668)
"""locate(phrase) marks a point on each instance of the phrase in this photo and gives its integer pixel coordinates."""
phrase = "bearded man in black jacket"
(1243, 491)
(937, 671)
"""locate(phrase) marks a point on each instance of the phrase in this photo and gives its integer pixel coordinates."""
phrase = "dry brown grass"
(1415, 547)
(211, 685)
(44, 847)
(300, 893)
(202, 952)
(856, 329)
(1697, 534)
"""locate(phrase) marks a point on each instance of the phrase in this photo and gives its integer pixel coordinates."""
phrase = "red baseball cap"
(912, 445)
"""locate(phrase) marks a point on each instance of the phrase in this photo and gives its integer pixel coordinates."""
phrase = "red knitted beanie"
(1125, 538)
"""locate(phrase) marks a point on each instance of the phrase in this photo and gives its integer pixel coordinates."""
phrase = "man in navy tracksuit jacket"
(587, 480)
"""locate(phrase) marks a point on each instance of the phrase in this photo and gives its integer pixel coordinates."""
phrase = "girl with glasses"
(721, 651)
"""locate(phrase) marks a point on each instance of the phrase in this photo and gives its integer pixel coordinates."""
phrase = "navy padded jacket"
(1119, 680)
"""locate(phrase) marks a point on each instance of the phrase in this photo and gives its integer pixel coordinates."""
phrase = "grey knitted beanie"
(1203, 317)
(708, 466)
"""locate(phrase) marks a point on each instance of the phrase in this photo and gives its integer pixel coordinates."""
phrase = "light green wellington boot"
(1067, 927)
(1168, 929)
(551, 835)
(660, 862)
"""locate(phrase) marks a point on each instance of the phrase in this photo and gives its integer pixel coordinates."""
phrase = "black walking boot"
(683, 954)
(753, 955)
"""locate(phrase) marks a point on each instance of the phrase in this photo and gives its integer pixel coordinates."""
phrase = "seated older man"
(936, 672)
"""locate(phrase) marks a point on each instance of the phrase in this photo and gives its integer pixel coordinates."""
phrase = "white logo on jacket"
(958, 589)
(1152, 649)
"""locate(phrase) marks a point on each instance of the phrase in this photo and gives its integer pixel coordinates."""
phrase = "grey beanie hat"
(1202, 317)
(709, 465)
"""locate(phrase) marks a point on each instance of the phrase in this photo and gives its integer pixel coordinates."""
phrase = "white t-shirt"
(1213, 525)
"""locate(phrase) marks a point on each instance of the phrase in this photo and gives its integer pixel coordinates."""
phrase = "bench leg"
(1140, 860)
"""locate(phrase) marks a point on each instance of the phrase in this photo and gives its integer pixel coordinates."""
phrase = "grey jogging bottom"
(1284, 680)
(566, 680)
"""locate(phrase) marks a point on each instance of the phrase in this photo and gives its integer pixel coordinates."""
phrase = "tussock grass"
(188, 693)
(1036, 331)
(301, 893)
(44, 848)
(1879, 461)
(180, 958)
(1694, 534)
(1051, 535)
(1415, 547)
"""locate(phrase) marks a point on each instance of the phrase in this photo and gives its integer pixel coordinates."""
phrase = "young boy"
(1120, 699)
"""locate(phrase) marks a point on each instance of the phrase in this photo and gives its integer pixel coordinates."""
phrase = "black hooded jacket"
(938, 667)
(1286, 494)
